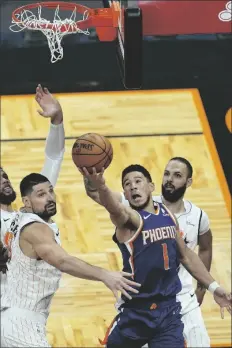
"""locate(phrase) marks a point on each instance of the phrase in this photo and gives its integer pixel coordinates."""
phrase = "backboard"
(129, 42)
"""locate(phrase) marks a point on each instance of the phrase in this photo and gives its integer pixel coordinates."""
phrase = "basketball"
(92, 150)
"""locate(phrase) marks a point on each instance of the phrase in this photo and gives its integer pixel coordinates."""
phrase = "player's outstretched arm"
(191, 261)
(54, 150)
(92, 191)
(41, 239)
(119, 213)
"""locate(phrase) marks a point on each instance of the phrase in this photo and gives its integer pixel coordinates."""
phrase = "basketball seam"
(103, 139)
(106, 155)
(98, 161)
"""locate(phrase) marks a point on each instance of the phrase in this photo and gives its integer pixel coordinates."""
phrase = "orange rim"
(102, 18)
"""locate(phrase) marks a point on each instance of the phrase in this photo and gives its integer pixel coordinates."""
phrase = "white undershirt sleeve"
(54, 152)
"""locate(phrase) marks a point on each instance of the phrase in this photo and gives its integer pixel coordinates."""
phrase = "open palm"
(96, 179)
(49, 105)
(223, 299)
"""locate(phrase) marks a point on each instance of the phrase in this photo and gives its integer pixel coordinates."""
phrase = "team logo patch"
(8, 238)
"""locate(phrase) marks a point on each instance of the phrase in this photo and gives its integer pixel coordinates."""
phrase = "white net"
(28, 20)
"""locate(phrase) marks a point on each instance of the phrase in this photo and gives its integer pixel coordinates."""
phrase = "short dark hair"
(136, 168)
(186, 162)
(27, 183)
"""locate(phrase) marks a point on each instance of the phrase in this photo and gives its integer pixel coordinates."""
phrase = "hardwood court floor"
(82, 310)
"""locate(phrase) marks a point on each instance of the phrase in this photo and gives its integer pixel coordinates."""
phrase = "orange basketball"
(92, 150)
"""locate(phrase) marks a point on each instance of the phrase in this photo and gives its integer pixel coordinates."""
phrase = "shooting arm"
(120, 214)
(93, 193)
(41, 238)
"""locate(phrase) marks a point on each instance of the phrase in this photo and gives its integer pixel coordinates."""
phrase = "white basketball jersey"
(193, 223)
(6, 238)
(31, 283)
(6, 219)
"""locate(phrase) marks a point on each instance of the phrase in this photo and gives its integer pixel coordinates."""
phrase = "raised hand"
(50, 106)
(223, 299)
(117, 282)
(96, 179)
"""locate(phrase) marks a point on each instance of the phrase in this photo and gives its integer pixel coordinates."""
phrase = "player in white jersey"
(37, 262)
(54, 152)
(194, 225)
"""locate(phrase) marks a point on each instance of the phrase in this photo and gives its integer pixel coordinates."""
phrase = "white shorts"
(195, 332)
(23, 328)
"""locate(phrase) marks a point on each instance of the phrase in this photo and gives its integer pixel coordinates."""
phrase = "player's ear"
(189, 182)
(124, 192)
(152, 186)
(26, 202)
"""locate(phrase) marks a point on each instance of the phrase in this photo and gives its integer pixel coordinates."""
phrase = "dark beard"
(7, 199)
(141, 207)
(175, 195)
(46, 214)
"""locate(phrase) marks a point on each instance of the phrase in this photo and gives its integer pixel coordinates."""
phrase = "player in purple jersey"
(147, 235)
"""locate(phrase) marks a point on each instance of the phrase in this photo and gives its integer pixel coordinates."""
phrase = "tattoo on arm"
(89, 186)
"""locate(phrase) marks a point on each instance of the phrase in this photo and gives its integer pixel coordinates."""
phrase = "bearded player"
(36, 265)
(54, 152)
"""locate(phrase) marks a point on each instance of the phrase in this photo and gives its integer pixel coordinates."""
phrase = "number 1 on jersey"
(165, 256)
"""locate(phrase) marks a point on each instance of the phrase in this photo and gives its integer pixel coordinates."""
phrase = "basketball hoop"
(104, 19)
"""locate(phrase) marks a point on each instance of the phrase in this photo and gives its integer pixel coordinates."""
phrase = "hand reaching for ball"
(96, 179)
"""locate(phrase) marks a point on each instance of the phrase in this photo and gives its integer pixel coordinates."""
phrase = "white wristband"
(213, 286)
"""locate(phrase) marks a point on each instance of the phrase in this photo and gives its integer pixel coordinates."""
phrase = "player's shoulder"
(7, 215)
(193, 209)
(24, 219)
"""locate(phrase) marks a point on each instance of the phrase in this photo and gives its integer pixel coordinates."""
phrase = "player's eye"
(41, 194)
(178, 175)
